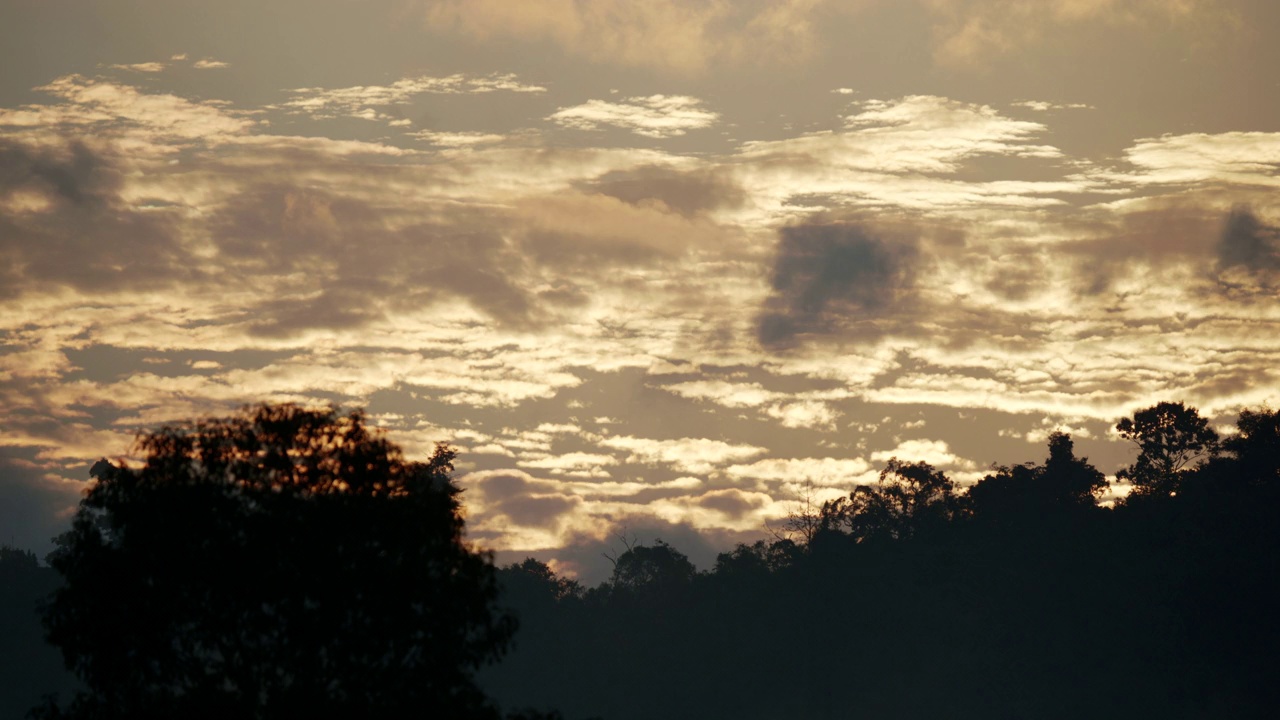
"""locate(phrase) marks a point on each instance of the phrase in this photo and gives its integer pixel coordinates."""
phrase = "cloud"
(698, 456)
(1244, 158)
(670, 35)
(688, 191)
(1248, 243)
(145, 67)
(655, 116)
(970, 33)
(136, 123)
(73, 209)
(367, 101)
(516, 497)
(1042, 106)
(209, 64)
(793, 410)
(822, 472)
(917, 133)
(934, 452)
(458, 139)
(579, 464)
(734, 504)
(829, 277)
(900, 153)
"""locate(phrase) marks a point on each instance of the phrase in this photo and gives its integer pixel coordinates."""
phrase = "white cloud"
(656, 116)
(698, 456)
(822, 472)
(136, 122)
(934, 452)
(574, 464)
(144, 67)
(370, 101)
(795, 410)
(1246, 158)
(366, 101)
(1042, 106)
(458, 139)
(210, 64)
(899, 153)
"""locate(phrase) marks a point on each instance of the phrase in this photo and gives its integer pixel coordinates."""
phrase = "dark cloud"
(687, 193)
(79, 233)
(732, 503)
(523, 500)
(1165, 231)
(830, 277)
(334, 308)
(1248, 243)
(538, 511)
(358, 268)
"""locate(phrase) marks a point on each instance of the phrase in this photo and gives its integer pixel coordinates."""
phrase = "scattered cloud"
(143, 67)
(370, 102)
(458, 139)
(1244, 158)
(1042, 106)
(697, 456)
(934, 452)
(655, 116)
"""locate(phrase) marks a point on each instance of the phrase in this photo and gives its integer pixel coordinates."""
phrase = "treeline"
(1020, 598)
(288, 563)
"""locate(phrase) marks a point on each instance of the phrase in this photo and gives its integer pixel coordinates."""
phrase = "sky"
(655, 269)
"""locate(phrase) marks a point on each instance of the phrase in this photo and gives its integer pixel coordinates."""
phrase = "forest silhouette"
(290, 563)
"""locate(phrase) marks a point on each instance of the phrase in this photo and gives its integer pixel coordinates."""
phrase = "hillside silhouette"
(1018, 597)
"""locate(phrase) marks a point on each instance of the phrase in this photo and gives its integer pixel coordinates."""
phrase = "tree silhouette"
(1169, 437)
(1022, 494)
(282, 563)
(655, 570)
(910, 498)
(1255, 449)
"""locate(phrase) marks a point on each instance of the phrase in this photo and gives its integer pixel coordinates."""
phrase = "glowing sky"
(655, 266)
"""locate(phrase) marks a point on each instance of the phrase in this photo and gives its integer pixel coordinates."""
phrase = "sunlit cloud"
(144, 67)
(370, 102)
(656, 116)
(687, 455)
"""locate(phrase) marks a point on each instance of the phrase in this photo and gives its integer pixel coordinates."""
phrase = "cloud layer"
(664, 278)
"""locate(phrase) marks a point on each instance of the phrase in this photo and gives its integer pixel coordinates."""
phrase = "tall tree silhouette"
(281, 563)
(1170, 437)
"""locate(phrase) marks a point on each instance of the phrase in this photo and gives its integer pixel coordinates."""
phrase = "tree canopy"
(1170, 438)
(281, 563)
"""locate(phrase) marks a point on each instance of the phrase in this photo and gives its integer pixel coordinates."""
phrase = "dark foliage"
(1170, 438)
(1020, 598)
(284, 563)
